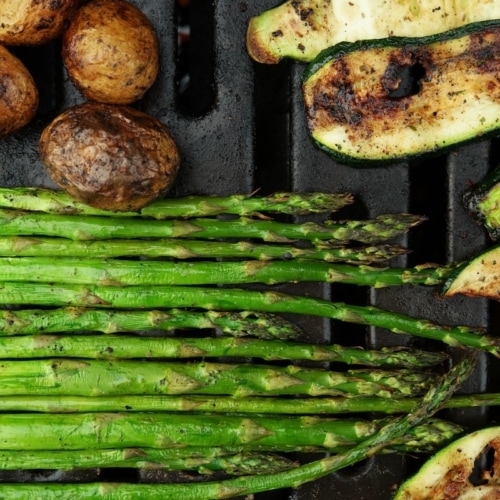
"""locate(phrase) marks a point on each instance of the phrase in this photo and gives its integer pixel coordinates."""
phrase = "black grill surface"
(241, 126)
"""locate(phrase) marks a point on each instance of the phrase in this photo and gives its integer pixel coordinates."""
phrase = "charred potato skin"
(109, 156)
(111, 52)
(18, 94)
(34, 22)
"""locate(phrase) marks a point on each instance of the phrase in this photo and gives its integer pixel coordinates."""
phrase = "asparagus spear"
(222, 404)
(30, 246)
(59, 202)
(424, 438)
(245, 485)
(236, 299)
(128, 347)
(122, 272)
(89, 227)
(79, 431)
(76, 319)
(99, 377)
(203, 460)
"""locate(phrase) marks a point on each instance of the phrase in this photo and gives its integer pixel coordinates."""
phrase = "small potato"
(111, 52)
(18, 94)
(34, 22)
(109, 156)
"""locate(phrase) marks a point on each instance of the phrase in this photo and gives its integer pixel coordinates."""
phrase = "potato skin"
(109, 156)
(34, 22)
(111, 52)
(18, 94)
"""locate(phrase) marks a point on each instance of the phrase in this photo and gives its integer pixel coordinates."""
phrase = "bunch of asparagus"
(89, 298)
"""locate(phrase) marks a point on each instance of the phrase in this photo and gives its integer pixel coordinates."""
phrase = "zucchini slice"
(301, 29)
(479, 277)
(466, 469)
(389, 99)
(482, 201)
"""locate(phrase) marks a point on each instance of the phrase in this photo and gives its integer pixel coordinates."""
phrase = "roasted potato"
(111, 52)
(110, 156)
(30, 22)
(18, 94)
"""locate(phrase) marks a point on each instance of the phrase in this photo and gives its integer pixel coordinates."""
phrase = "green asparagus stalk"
(202, 460)
(89, 227)
(129, 347)
(77, 319)
(123, 272)
(81, 377)
(394, 430)
(235, 299)
(424, 438)
(79, 431)
(59, 202)
(222, 404)
(30, 246)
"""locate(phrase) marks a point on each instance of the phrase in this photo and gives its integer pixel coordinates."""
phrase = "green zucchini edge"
(473, 196)
(470, 265)
(455, 274)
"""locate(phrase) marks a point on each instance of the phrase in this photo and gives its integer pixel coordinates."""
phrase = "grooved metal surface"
(251, 135)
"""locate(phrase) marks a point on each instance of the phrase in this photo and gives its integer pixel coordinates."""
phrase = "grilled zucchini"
(385, 100)
(468, 468)
(300, 29)
(478, 277)
(482, 201)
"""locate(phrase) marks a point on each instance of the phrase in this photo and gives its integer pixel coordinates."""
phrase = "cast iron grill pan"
(241, 126)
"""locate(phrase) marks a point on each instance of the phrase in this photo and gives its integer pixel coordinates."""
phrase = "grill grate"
(240, 126)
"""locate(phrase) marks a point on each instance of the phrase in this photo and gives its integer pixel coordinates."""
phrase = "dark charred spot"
(277, 33)
(304, 14)
(454, 482)
(55, 5)
(344, 108)
(301, 47)
(403, 78)
(483, 466)
(485, 49)
(44, 23)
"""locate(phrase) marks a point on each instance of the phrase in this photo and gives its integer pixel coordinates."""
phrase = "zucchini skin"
(339, 118)
(482, 202)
